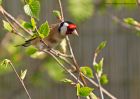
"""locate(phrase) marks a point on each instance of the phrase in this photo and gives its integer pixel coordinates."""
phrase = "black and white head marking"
(63, 28)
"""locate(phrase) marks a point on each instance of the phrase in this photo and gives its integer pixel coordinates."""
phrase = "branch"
(62, 65)
(14, 20)
(104, 90)
(61, 9)
(21, 81)
(99, 84)
(70, 48)
(14, 29)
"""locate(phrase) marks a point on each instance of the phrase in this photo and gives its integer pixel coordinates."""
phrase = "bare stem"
(61, 9)
(98, 79)
(21, 81)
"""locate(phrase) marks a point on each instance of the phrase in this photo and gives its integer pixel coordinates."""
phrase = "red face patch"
(72, 26)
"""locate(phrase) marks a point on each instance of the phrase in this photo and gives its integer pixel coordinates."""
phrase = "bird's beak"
(75, 33)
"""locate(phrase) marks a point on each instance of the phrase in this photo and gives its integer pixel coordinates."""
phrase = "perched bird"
(57, 33)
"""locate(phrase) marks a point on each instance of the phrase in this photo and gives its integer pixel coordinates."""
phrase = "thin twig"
(21, 81)
(14, 20)
(104, 90)
(62, 65)
(61, 9)
(70, 48)
(98, 79)
(14, 29)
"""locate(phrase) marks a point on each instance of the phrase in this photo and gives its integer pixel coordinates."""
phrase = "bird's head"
(67, 27)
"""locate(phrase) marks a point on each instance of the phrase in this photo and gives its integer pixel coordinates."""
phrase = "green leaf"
(31, 50)
(99, 67)
(23, 74)
(7, 26)
(81, 9)
(67, 81)
(103, 79)
(44, 30)
(87, 71)
(85, 91)
(101, 46)
(32, 8)
(5, 62)
(33, 22)
(57, 13)
(130, 21)
(27, 25)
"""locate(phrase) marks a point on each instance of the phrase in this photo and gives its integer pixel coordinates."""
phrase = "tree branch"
(14, 20)
(21, 81)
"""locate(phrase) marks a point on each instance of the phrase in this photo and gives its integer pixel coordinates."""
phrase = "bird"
(57, 34)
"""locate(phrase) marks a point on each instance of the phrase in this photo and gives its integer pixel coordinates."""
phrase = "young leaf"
(101, 46)
(27, 25)
(67, 81)
(103, 79)
(87, 71)
(130, 21)
(23, 74)
(44, 30)
(33, 23)
(99, 67)
(57, 14)
(32, 8)
(7, 26)
(85, 91)
(5, 62)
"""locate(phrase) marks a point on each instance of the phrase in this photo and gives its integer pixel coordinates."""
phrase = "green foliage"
(67, 81)
(101, 46)
(23, 74)
(7, 26)
(81, 9)
(44, 30)
(87, 71)
(103, 79)
(83, 91)
(99, 67)
(5, 62)
(57, 13)
(27, 25)
(1, 2)
(33, 22)
(130, 21)
(32, 8)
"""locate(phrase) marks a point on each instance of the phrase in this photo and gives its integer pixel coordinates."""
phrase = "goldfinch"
(57, 33)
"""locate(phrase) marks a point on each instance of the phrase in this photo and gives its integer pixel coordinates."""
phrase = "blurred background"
(97, 20)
